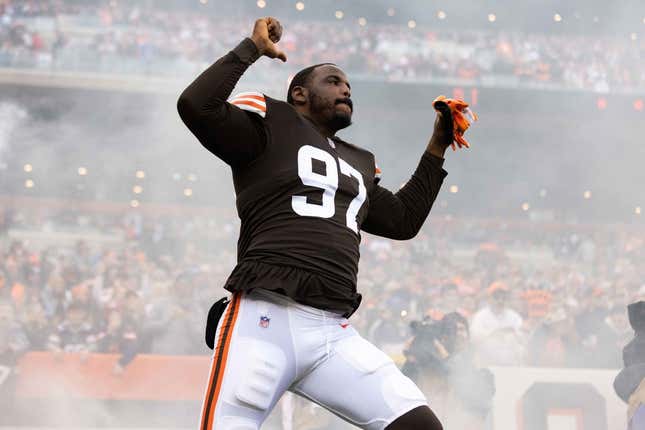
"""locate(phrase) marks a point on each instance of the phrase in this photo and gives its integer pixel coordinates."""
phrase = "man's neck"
(321, 129)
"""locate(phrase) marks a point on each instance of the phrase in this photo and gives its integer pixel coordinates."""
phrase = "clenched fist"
(266, 33)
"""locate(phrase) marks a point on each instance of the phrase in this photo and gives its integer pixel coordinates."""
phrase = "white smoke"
(11, 117)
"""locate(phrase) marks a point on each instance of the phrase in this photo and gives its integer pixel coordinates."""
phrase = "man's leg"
(361, 384)
(252, 365)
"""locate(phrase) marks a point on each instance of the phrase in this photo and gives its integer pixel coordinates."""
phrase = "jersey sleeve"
(377, 173)
(400, 215)
(228, 130)
(253, 102)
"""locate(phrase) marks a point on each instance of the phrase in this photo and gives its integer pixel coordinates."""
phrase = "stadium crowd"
(532, 294)
(119, 37)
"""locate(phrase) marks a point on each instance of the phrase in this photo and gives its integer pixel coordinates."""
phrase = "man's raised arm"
(227, 131)
(400, 215)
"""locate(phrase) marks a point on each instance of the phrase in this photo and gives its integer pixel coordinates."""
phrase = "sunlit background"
(118, 227)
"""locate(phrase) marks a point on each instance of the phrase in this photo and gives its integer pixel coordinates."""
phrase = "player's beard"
(333, 119)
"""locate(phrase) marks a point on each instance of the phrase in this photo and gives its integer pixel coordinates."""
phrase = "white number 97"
(328, 183)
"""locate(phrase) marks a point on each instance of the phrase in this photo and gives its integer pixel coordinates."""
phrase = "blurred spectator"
(35, 324)
(496, 329)
(119, 336)
(388, 328)
(440, 360)
(538, 306)
(173, 323)
(613, 334)
(76, 333)
(55, 298)
(630, 382)
(13, 343)
(450, 300)
(592, 329)
(553, 342)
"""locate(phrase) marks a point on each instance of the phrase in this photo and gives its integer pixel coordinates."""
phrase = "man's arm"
(224, 129)
(400, 215)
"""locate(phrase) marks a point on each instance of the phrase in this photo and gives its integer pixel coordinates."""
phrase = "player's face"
(330, 97)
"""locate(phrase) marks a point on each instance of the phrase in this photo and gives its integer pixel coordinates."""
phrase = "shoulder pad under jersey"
(250, 101)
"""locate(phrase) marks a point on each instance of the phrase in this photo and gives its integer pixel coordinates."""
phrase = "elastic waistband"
(272, 296)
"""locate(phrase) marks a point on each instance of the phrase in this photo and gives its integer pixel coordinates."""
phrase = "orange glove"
(458, 108)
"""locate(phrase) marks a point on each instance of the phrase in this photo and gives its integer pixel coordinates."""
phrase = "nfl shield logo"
(264, 321)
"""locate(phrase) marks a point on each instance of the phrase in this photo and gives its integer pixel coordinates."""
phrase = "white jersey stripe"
(247, 99)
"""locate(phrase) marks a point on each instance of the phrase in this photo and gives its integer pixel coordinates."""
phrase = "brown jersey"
(302, 198)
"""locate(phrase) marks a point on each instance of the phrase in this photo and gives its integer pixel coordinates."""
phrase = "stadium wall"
(165, 390)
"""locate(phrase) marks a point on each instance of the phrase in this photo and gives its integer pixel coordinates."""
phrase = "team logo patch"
(264, 321)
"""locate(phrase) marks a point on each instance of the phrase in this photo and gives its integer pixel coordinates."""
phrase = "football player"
(303, 197)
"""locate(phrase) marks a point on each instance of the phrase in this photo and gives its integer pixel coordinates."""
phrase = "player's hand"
(443, 134)
(459, 112)
(266, 33)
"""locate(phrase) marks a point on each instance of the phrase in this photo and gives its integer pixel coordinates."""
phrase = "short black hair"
(301, 78)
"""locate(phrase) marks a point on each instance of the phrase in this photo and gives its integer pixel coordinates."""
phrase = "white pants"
(267, 344)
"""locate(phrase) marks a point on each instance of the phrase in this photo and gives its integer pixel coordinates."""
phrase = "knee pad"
(265, 367)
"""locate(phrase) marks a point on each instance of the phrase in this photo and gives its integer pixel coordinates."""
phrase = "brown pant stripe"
(219, 361)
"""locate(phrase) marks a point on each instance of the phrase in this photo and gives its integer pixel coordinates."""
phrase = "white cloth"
(277, 345)
(496, 337)
(485, 322)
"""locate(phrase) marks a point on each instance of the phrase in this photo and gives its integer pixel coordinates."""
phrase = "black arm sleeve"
(235, 136)
(401, 215)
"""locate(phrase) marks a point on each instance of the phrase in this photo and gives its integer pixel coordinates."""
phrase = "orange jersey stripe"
(250, 96)
(250, 103)
(219, 362)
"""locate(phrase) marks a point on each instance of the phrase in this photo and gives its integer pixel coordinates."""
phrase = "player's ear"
(300, 95)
